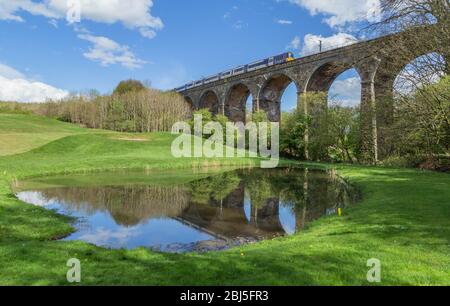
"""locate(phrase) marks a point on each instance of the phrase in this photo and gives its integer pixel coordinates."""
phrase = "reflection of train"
(271, 61)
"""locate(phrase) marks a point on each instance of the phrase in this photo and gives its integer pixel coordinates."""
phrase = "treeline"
(132, 107)
(145, 110)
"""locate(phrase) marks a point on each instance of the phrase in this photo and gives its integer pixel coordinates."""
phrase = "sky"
(52, 48)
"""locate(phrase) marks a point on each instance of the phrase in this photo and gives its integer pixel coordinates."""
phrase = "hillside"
(22, 133)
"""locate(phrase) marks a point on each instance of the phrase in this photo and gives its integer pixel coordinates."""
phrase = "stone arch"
(235, 103)
(190, 102)
(325, 74)
(320, 80)
(210, 100)
(415, 67)
(269, 98)
(391, 66)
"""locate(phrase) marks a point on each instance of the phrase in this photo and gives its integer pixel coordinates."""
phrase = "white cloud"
(101, 236)
(312, 42)
(9, 9)
(53, 22)
(238, 25)
(9, 72)
(108, 52)
(295, 43)
(134, 14)
(341, 12)
(34, 197)
(284, 22)
(15, 87)
(347, 92)
(148, 33)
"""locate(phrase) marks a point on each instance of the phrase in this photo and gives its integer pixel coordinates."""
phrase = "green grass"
(20, 133)
(403, 219)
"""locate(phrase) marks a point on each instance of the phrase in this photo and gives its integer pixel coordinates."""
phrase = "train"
(270, 61)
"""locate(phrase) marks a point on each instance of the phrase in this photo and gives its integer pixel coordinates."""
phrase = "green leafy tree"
(292, 134)
(343, 133)
(259, 116)
(128, 86)
(223, 120)
(116, 116)
(206, 114)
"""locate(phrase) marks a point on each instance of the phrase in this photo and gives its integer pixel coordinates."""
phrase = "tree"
(422, 125)
(343, 133)
(292, 134)
(128, 86)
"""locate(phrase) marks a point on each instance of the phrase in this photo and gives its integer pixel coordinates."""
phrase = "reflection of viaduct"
(228, 218)
(374, 60)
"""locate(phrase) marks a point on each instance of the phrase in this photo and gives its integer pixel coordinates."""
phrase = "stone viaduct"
(375, 61)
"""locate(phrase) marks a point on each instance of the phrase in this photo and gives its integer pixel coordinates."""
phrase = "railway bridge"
(374, 60)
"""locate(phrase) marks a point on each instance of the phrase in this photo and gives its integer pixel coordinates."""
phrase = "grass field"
(403, 219)
(32, 132)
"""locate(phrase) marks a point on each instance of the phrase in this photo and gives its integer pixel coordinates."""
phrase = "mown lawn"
(20, 133)
(403, 219)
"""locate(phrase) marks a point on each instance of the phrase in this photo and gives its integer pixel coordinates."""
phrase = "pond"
(184, 211)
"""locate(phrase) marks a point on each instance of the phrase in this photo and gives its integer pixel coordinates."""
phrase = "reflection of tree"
(258, 185)
(308, 194)
(289, 186)
(215, 188)
(128, 205)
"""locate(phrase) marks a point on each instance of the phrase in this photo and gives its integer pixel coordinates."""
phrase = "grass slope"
(403, 220)
(21, 133)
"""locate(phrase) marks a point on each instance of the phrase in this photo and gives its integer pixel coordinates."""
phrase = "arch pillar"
(222, 98)
(272, 108)
(255, 87)
(212, 100)
(236, 102)
(195, 99)
(384, 92)
(303, 108)
(271, 91)
(190, 102)
(301, 83)
(369, 129)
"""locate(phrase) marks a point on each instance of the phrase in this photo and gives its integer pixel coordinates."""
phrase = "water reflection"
(212, 213)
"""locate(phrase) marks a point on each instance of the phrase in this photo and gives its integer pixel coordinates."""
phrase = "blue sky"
(167, 43)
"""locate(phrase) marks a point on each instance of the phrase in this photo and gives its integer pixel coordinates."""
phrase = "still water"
(186, 211)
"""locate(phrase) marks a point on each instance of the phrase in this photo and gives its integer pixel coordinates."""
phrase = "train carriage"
(271, 61)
